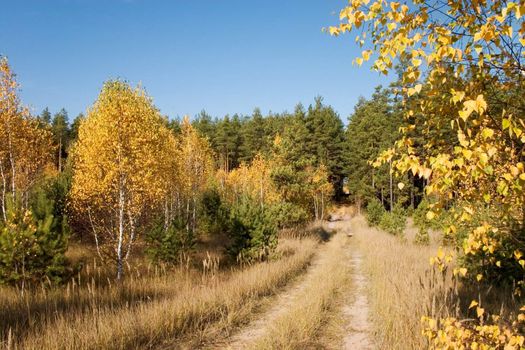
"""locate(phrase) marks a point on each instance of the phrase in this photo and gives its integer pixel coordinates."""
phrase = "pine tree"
(60, 130)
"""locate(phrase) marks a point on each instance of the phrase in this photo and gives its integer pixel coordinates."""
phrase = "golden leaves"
(120, 154)
(414, 90)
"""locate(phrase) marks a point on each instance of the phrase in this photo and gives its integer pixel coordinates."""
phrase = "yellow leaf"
(473, 303)
(480, 311)
(401, 185)
(391, 26)
(416, 62)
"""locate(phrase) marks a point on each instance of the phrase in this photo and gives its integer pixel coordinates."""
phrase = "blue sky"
(224, 56)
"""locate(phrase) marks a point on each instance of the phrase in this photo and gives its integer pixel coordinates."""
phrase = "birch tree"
(196, 167)
(25, 149)
(118, 167)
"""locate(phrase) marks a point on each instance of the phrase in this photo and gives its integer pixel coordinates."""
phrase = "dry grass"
(401, 289)
(404, 287)
(146, 310)
(299, 326)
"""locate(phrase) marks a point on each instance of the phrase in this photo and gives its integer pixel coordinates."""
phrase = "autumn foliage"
(461, 66)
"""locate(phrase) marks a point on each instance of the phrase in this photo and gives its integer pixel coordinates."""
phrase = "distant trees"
(372, 129)
(60, 130)
(315, 136)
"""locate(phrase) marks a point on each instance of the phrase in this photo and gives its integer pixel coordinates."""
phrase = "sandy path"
(355, 307)
(356, 311)
(283, 301)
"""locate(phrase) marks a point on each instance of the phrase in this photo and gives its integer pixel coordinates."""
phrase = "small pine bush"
(394, 222)
(166, 243)
(253, 231)
(32, 248)
(288, 214)
(214, 214)
(422, 223)
(374, 212)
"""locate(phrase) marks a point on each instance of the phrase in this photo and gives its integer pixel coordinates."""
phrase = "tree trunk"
(4, 187)
(13, 170)
(194, 217)
(120, 232)
(132, 236)
(187, 215)
(322, 205)
(391, 187)
(60, 155)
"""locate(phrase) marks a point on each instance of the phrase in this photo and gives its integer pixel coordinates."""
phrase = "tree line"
(124, 173)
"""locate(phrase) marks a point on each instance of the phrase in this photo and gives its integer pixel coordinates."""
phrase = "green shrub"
(49, 198)
(166, 243)
(422, 237)
(288, 214)
(214, 215)
(253, 231)
(32, 246)
(422, 223)
(374, 212)
(394, 222)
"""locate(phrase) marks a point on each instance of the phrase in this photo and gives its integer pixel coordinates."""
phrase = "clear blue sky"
(224, 56)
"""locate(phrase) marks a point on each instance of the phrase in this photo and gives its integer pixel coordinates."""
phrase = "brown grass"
(146, 310)
(401, 287)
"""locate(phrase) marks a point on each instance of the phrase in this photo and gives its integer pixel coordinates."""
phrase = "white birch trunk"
(120, 231)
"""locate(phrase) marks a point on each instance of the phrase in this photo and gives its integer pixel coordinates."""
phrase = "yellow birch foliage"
(119, 165)
(462, 68)
(25, 149)
(196, 160)
(252, 180)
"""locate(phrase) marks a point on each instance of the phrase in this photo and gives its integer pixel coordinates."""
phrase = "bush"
(253, 231)
(165, 244)
(214, 214)
(394, 222)
(49, 198)
(32, 247)
(374, 212)
(422, 223)
(288, 214)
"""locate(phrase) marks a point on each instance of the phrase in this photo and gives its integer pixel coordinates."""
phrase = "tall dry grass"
(401, 287)
(147, 311)
(404, 287)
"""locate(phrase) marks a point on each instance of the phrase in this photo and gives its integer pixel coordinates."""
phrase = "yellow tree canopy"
(253, 180)
(25, 149)
(196, 160)
(120, 167)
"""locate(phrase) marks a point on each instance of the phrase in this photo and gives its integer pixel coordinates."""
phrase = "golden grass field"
(299, 299)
